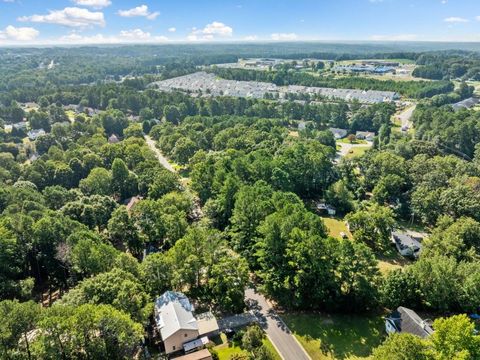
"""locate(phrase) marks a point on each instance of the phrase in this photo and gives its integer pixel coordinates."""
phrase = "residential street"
(278, 333)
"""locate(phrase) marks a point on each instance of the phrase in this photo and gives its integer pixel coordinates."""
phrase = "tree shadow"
(341, 336)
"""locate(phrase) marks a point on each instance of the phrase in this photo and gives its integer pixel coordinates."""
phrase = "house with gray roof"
(179, 328)
(404, 320)
(175, 321)
(338, 133)
(406, 244)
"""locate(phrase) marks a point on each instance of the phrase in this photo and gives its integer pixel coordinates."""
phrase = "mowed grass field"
(226, 350)
(336, 226)
(344, 337)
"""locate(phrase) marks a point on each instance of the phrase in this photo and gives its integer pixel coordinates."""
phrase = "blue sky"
(125, 21)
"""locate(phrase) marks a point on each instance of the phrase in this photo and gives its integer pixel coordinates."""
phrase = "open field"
(356, 152)
(336, 226)
(476, 85)
(328, 337)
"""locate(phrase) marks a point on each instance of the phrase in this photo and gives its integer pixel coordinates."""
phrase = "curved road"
(161, 159)
(277, 331)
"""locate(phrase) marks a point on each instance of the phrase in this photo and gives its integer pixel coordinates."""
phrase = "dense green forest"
(93, 227)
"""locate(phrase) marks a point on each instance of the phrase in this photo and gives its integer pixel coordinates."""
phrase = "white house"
(35, 134)
(365, 135)
(179, 329)
(406, 244)
(338, 133)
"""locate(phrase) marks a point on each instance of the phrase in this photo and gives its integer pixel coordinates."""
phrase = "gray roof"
(466, 104)
(173, 312)
(203, 82)
(406, 241)
(407, 321)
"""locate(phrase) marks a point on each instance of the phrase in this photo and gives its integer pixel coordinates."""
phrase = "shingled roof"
(407, 321)
(174, 312)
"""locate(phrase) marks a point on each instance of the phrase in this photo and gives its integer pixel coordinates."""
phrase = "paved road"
(406, 115)
(278, 333)
(162, 159)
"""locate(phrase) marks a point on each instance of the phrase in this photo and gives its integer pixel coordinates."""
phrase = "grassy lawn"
(357, 141)
(357, 152)
(225, 349)
(391, 260)
(327, 337)
(336, 226)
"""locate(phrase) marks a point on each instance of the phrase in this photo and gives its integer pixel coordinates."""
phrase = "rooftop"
(407, 321)
(174, 312)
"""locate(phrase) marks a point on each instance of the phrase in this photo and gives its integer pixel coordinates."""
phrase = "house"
(130, 202)
(338, 133)
(197, 355)
(365, 135)
(35, 134)
(22, 125)
(323, 207)
(175, 321)
(113, 139)
(404, 320)
(406, 244)
(178, 327)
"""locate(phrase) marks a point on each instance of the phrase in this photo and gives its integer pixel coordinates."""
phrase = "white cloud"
(18, 34)
(135, 34)
(211, 31)
(96, 4)
(172, 29)
(250, 38)
(455, 19)
(141, 10)
(125, 36)
(284, 36)
(70, 16)
(477, 18)
(397, 37)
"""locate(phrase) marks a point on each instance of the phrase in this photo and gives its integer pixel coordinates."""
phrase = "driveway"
(406, 115)
(161, 159)
(277, 331)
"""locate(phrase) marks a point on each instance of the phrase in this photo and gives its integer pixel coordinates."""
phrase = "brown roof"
(197, 355)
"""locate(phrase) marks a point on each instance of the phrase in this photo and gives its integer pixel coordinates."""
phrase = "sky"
(169, 21)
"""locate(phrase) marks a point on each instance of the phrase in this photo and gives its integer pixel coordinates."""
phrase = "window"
(173, 347)
(186, 335)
